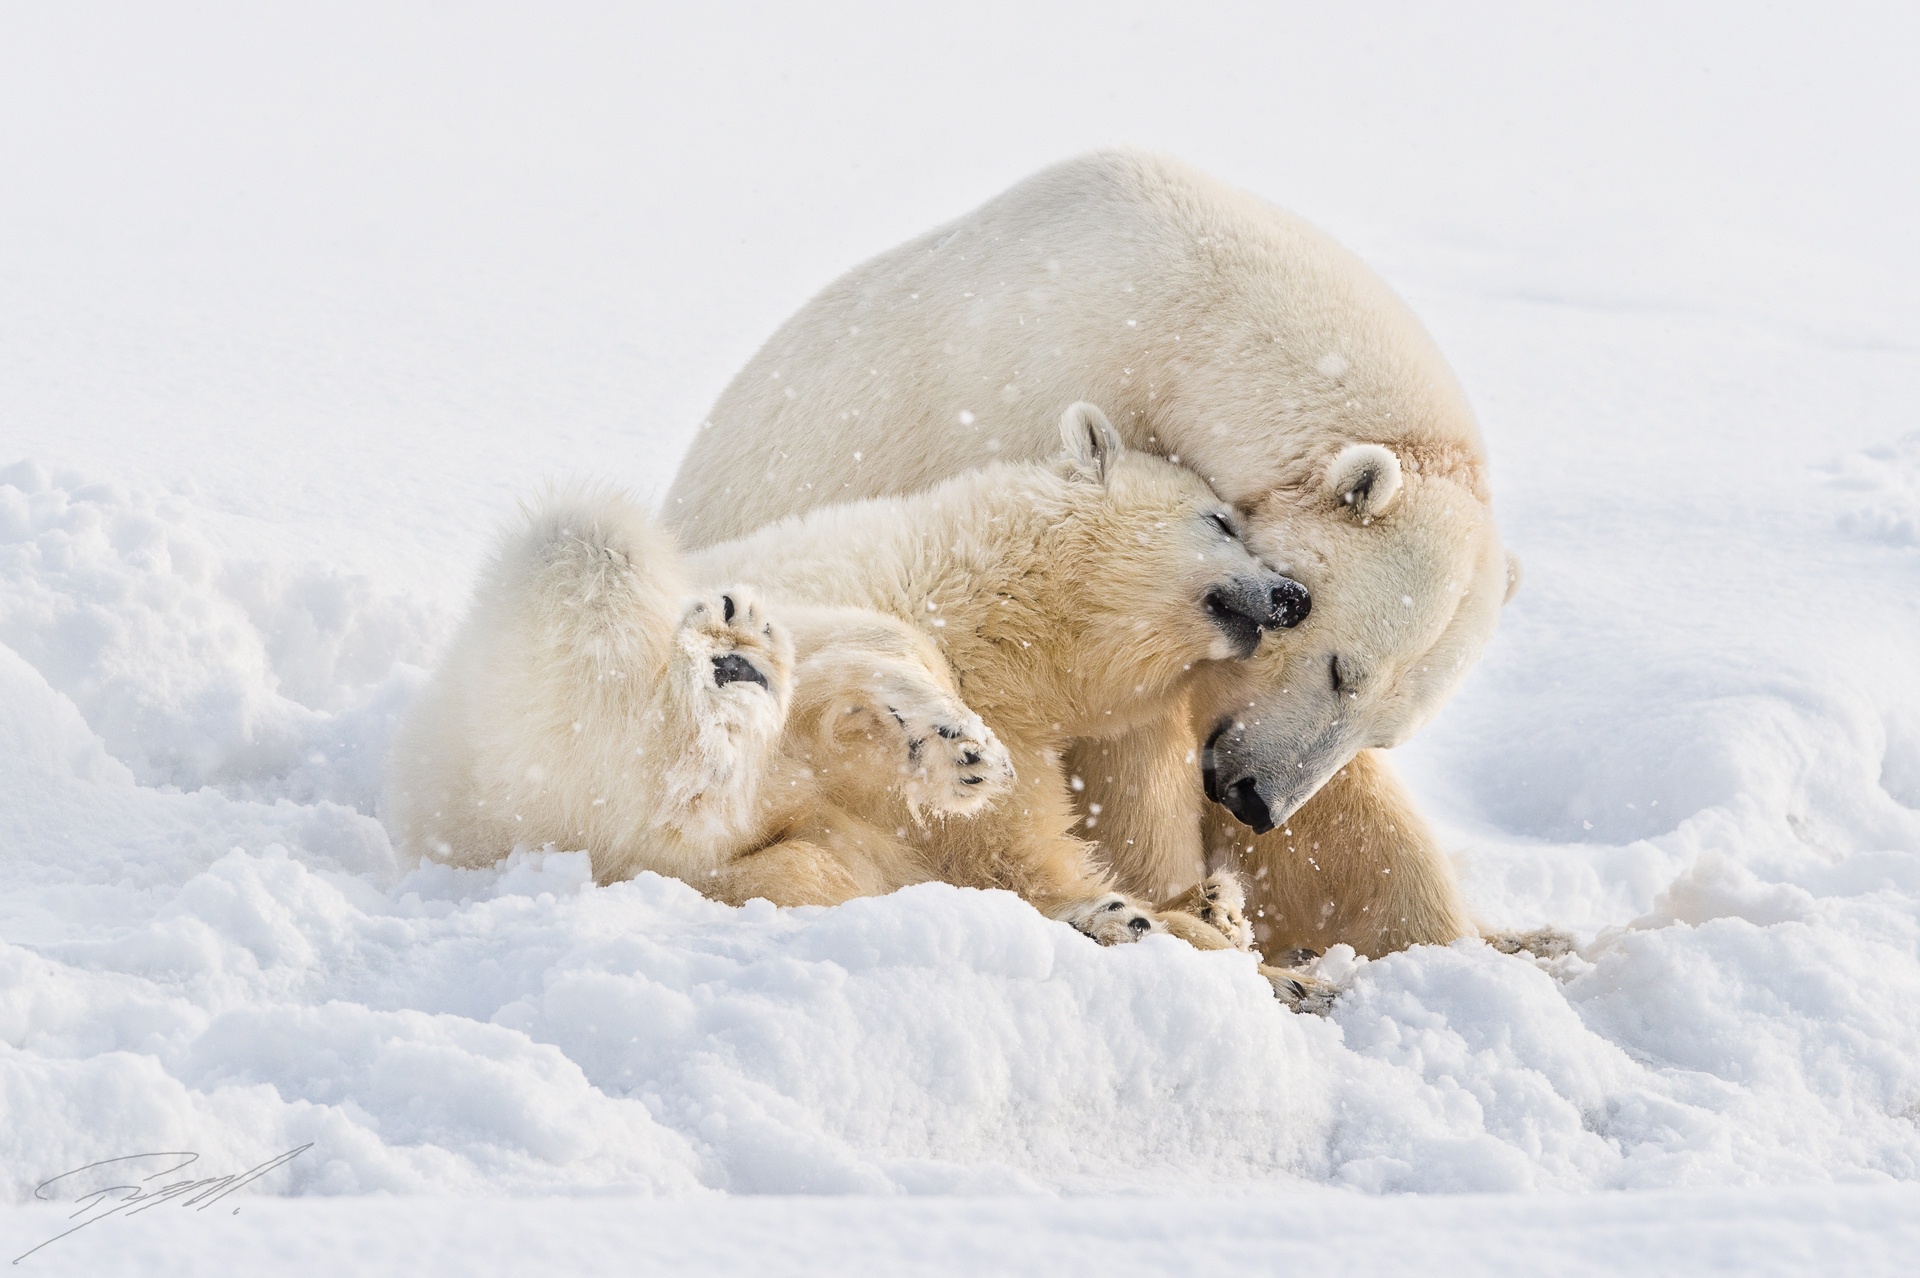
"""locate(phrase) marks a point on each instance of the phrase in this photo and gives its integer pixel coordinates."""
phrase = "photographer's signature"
(96, 1202)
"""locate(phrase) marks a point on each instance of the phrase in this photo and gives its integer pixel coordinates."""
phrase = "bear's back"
(1120, 277)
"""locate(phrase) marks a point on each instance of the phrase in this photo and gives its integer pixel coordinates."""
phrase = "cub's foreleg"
(877, 711)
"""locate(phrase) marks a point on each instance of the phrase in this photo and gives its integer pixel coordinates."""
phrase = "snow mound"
(1883, 484)
(193, 669)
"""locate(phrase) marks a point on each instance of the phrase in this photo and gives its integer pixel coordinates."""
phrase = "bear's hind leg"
(723, 710)
(832, 858)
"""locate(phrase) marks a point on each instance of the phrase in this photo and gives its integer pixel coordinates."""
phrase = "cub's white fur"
(578, 704)
(800, 734)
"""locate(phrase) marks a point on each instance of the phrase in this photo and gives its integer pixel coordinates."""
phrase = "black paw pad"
(734, 668)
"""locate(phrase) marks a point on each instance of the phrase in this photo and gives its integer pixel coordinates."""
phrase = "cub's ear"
(1364, 478)
(1513, 576)
(1093, 445)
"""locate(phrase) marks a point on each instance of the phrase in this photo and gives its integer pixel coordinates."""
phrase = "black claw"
(970, 758)
(734, 668)
(948, 733)
(726, 607)
(971, 780)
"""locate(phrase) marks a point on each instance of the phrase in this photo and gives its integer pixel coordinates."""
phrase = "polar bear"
(786, 736)
(1232, 337)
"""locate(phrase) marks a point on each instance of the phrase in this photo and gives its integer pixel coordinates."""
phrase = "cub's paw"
(1299, 991)
(951, 762)
(1220, 902)
(1543, 943)
(1111, 919)
(944, 757)
(736, 648)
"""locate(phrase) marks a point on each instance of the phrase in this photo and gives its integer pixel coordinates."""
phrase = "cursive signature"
(132, 1199)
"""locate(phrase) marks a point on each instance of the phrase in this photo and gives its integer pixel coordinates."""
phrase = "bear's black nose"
(1249, 809)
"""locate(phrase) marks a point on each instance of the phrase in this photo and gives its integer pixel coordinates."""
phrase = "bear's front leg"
(1357, 865)
(1299, 991)
(1140, 799)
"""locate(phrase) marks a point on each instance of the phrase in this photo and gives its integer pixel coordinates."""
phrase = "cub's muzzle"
(1245, 607)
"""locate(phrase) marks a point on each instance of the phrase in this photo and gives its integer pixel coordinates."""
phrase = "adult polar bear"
(1226, 333)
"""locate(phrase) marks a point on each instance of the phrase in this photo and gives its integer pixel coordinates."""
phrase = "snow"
(294, 305)
(1868, 1233)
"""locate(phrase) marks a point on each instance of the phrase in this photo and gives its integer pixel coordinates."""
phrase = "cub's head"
(1152, 567)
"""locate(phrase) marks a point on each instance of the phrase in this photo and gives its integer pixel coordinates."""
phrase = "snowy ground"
(292, 306)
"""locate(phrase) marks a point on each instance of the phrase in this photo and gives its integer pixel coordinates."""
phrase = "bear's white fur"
(1228, 334)
(586, 703)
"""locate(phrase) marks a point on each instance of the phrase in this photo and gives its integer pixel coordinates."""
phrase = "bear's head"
(1155, 575)
(1407, 576)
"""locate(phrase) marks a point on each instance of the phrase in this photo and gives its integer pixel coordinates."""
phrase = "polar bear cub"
(790, 735)
(1069, 599)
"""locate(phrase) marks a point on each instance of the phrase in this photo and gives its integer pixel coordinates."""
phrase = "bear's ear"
(1093, 445)
(1513, 576)
(1364, 478)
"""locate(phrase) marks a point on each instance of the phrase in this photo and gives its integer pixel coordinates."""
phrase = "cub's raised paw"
(1299, 991)
(1543, 943)
(951, 762)
(736, 648)
(1219, 901)
(1111, 919)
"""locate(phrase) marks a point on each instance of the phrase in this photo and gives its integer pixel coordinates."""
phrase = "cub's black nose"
(734, 668)
(1291, 603)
